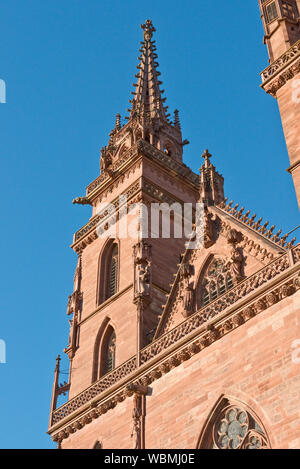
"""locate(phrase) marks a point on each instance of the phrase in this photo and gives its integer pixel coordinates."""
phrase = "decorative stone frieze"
(281, 70)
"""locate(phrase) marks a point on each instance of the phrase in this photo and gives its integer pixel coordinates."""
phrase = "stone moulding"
(105, 214)
(94, 390)
(152, 152)
(87, 233)
(281, 279)
(281, 70)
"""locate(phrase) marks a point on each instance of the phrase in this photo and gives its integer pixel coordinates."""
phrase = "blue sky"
(69, 66)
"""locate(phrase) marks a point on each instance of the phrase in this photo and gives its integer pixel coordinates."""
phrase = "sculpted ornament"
(136, 426)
(236, 256)
(142, 270)
(143, 280)
(82, 201)
(105, 161)
(208, 229)
(187, 290)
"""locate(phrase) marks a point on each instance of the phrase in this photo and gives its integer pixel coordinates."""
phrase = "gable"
(234, 252)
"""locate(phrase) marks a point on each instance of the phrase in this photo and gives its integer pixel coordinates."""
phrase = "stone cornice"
(87, 234)
(267, 287)
(113, 298)
(121, 164)
(106, 303)
(293, 166)
(281, 70)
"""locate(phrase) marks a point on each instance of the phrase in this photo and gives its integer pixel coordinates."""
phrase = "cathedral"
(176, 344)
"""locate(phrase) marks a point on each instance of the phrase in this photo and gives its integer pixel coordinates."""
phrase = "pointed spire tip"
(148, 29)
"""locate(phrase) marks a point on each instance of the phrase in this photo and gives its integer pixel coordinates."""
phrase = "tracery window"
(217, 280)
(234, 427)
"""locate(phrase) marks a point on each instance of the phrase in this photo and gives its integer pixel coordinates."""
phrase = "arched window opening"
(108, 279)
(109, 355)
(216, 281)
(233, 426)
(168, 149)
(97, 445)
(113, 273)
(104, 359)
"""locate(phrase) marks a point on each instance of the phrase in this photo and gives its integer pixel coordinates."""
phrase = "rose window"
(234, 428)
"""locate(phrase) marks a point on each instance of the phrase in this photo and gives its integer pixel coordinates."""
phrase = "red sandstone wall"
(253, 364)
(121, 310)
(289, 106)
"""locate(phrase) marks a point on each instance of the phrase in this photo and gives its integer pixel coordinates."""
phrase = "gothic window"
(97, 445)
(109, 352)
(233, 426)
(108, 280)
(113, 272)
(271, 11)
(104, 359)
(169, 149)
(217, 280)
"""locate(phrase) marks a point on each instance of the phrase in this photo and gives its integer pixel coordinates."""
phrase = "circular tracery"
(236, 429)
(232, 429)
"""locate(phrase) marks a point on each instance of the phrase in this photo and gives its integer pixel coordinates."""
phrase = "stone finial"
(176, 119)
(206, 156)
(148, 30)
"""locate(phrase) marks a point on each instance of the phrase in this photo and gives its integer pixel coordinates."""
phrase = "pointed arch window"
(97, 445)
(109, 355)
(108, 280)
(233, 426)
(112, 286)
(217, 280)
(104, 359)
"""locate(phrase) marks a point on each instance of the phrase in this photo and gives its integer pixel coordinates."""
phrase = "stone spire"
(211, 182)
(148, 102)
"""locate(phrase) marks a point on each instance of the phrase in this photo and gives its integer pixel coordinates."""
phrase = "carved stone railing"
(100, 386)
(279, 64)
(202, 316)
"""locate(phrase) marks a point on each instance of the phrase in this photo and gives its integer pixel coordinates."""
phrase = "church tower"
(281, 79)
(123, 277)
(176, 344)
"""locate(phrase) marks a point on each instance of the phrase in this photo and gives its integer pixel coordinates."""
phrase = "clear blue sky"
(69, 66)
